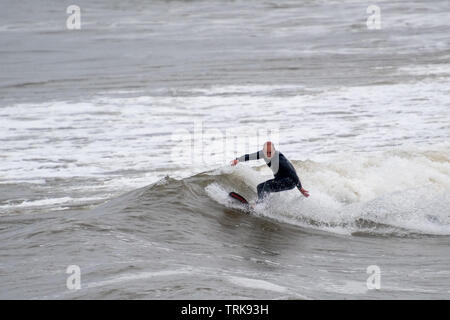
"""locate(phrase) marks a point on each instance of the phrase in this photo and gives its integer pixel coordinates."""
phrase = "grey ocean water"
(101, 166)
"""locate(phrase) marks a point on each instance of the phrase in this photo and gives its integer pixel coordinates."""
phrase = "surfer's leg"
(274, 185)
(262, 189)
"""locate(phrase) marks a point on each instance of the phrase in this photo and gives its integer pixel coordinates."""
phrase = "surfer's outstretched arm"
(247, 157)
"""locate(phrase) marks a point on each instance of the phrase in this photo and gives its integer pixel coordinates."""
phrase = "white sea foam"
(442, 69)
(403, 190)
(256, 284)
(128, 143)
(50, 202)
(135, 276)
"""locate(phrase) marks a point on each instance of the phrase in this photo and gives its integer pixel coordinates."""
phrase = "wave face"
(396, 192)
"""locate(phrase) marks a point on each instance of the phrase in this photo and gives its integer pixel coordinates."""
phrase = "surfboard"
(242, 200)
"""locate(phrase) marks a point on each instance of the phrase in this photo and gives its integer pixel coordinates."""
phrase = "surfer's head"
(269, 149)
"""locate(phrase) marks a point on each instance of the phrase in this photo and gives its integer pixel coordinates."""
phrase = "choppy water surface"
(115, 141)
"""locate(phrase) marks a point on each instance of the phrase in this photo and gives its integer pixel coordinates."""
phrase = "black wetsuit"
(285, 175)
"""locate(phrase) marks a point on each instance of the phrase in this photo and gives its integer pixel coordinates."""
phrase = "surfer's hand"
(234, 162)
(304, 192)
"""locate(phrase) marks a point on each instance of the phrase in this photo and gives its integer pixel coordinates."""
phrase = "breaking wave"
(392, 192)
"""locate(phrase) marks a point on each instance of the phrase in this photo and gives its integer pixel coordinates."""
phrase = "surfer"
(285, 175)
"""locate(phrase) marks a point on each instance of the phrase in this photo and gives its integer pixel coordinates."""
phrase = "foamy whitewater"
(115, 143)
